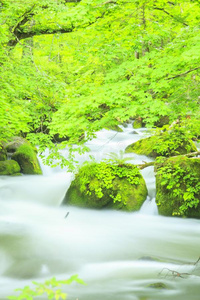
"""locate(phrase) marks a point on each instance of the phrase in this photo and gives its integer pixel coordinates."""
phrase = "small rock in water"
(158, 285)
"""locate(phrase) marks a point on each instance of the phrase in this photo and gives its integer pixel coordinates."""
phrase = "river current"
(120, 256)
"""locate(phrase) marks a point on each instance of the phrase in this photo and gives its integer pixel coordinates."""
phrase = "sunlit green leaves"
(93, 63)
(49, 288)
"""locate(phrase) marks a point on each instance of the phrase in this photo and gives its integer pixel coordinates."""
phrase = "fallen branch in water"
(173, 273)
(197, 261)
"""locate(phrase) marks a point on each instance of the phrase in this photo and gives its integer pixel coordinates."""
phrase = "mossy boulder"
(162, 121)
(103, 185)
(9, 167)
(14, 143)
(158, 285)
(138, 123)
(178, 187)
(114, 128)
(168, 143)
(26, 157)
(3, 153)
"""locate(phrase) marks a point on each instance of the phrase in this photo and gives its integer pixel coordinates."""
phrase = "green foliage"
(49, 289)
(192, 127)
(117, 158)
(70, 69)
(168, 141)
(180, 179)
(105, 174)
(100, 185)
(172, 140)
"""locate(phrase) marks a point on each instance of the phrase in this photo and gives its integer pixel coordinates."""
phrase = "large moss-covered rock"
(162, 121)
(26, 157)
(138, 123)
(166, 143)
(100, 185)
(114, 128)
(14, 143)
(178, 186)
(9, 167)
(3, 153)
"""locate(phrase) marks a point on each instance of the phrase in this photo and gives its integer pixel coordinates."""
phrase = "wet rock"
(158, 285)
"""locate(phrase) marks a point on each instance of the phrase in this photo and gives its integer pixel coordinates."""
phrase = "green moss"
(3, 153)
(14, 143)
(137, 123)
(158, 285)
(166, 143)
(99, 185)
(143, 147)
(26, 156)
(162, 121)
(115, 128)
(9, 167)
(178, 187)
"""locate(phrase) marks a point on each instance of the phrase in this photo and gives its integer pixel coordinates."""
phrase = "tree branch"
(23, 20)
(19, 34)
(166, 12)
(145, 165)
(107, 2)
(182, 74)
(16, 30)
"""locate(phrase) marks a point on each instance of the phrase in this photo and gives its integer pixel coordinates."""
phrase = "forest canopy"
(69, 68)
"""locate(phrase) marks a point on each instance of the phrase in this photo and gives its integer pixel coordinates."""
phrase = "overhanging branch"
(19, 33)
(166, 12)
(183, 74)
(152, 163)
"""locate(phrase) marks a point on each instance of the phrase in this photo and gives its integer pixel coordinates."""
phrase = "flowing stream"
(119, 255)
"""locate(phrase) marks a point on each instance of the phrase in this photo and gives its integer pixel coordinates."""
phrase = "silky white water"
(119, 255)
